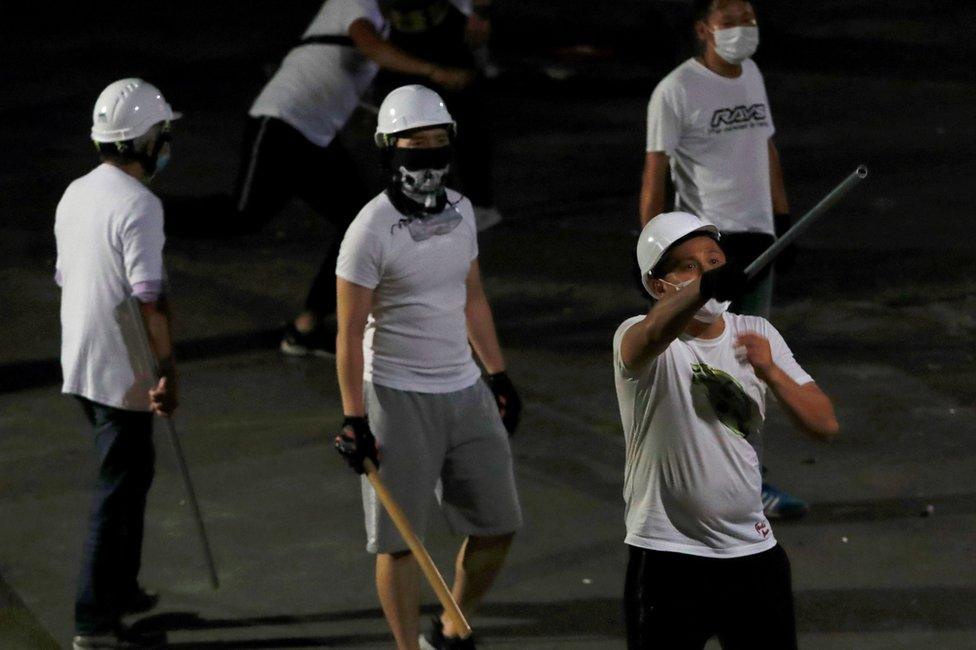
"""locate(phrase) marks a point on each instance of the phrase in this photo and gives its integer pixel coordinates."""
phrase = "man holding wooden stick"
(410, 308)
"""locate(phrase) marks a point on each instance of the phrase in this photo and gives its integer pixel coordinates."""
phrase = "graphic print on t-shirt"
(733, 406)
(734, 118)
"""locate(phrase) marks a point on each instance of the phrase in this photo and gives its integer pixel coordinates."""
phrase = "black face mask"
(418, 176)
(421, 159)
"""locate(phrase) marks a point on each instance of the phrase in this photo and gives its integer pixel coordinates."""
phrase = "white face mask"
(736, 44)
(710, 312)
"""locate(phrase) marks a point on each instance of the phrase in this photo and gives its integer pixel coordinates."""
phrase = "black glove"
(509, 403)
(727, 282)
(787, 259)
(356, 443)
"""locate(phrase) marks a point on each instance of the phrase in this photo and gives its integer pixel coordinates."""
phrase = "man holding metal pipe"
(411, 308)
(692, 383)
(710, 124)
(109, 231)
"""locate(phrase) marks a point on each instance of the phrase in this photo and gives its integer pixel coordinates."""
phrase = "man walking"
(291, 147)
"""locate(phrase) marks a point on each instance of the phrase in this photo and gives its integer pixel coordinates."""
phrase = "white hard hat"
(127, 109)
(661, 233)
(411, 107)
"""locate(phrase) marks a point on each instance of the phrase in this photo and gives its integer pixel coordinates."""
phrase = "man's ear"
(702, 31)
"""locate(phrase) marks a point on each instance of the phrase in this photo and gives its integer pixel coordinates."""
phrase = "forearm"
(776, 183)
(390, 57)
(349, 369)
(156, 318)
(482, 334)
(665, 321)
(808, 407)
(653, 194)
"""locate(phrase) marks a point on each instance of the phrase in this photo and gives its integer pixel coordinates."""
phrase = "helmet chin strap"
(150, 160)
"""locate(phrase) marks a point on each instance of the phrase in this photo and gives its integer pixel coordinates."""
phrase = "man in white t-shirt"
(109, 231)
(410, 309)
(710, 123)
(291, 148)
(692, 384)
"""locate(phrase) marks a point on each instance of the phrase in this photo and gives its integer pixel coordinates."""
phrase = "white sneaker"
(486, 217)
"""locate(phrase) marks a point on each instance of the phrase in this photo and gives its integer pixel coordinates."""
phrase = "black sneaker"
(141, 601)
(121, 637)
(436, 640)
(319, 342)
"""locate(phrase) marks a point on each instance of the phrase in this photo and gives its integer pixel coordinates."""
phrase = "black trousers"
(112, 552)
(278, 164)
(675, 601)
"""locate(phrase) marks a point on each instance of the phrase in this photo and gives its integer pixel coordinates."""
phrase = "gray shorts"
(457, 438)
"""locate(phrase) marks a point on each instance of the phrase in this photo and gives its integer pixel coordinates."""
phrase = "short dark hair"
(702, 8)
(667, 263)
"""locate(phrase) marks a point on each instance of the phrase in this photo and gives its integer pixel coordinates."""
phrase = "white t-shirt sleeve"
(663, 119)
(618, 339)
(352, 10)
(360, 257)
(142, 240)
(783, 356)
(464, 6)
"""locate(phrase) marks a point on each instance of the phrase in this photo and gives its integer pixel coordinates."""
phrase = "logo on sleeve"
(739, 117)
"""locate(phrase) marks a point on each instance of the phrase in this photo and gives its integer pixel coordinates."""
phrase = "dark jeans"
(675, 601)
(443, 44)
(112, 551)
(279, 163)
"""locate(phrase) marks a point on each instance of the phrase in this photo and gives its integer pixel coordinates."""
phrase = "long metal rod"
(174, 438)
(806, 221)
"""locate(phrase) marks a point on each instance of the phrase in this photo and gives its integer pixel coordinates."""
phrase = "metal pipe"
(191, 496)
(806, 221)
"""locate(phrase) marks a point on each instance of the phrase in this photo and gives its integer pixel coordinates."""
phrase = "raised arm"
(672, 313)
(390, 57)
(666, 319)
